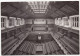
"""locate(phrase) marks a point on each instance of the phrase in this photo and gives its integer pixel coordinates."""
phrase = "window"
(22, 21)
(56, 21)
(18, 21)
(59, 21)
(2, 22)
(66, 23)
(75, 22)
(11, 22)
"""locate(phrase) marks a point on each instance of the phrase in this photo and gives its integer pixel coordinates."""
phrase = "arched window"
(3, 22)
(75, 21)
(66, 22)
(59, 21)
(18, 22)
(22, 21)
(11, 22)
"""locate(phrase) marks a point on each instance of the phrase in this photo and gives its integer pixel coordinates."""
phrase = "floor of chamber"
(29, 45)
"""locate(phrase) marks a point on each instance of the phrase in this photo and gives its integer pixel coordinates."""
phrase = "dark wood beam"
(17, 8)
(3, 4)
(74, 7)
(66, 14)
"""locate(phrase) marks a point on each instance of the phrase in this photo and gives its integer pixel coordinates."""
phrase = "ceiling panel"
(60, 13)
(16, 13)
(59, 4)
(7, 9)
(67, 9)
(16, 4)
(54, 15)
(39, 6)
(54, 9)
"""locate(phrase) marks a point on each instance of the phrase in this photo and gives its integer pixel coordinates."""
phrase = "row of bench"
(69, 44)
(52, 48)
(10, 42)
(26, 48)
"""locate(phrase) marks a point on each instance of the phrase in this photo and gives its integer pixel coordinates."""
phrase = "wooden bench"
(10, 45)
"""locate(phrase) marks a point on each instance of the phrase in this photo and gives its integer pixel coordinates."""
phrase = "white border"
(26, 1)
(33, 0)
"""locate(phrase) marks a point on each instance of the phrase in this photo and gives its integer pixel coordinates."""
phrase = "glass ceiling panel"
(39, 6)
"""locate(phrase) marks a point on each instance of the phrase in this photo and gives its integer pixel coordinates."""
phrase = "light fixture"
(39, 37)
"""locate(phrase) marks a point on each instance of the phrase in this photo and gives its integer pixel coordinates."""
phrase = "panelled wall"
(40, 24)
